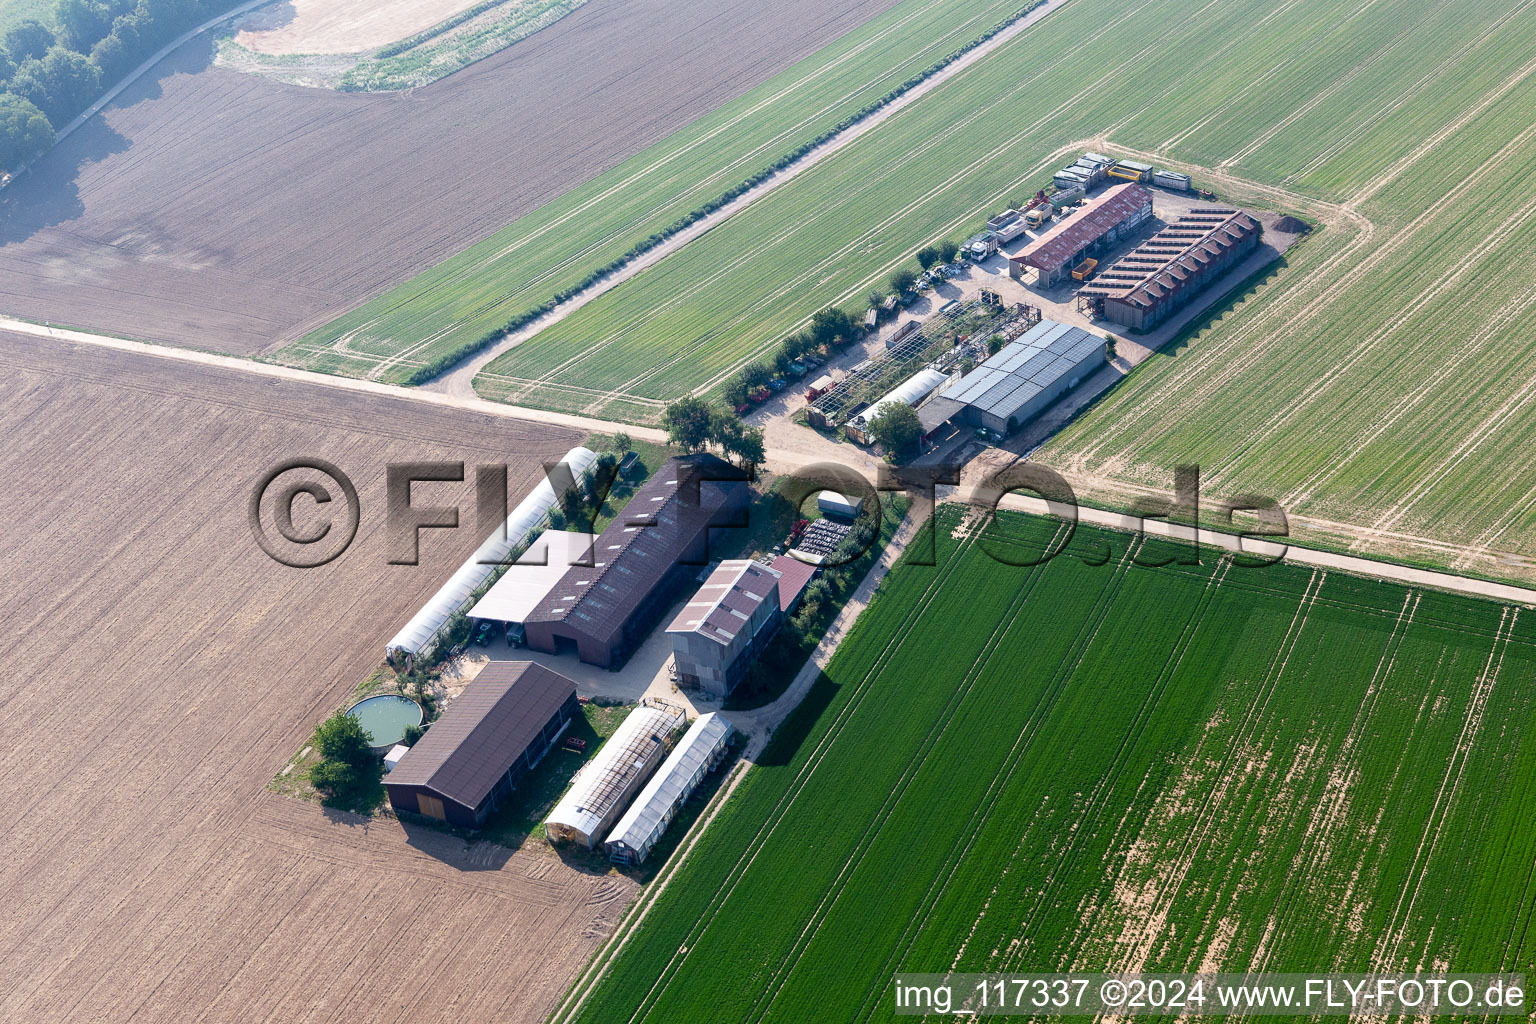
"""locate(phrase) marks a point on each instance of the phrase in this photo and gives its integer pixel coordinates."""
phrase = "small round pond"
(385, 717)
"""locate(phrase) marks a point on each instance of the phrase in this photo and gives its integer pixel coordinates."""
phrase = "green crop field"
(1379, 379)
(448, 309)
(1099, 764)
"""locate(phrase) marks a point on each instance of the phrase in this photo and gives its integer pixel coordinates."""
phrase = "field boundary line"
(792, 793)
(944, 721)
(460, 375)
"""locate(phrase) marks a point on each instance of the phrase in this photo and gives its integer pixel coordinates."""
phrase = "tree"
(687, 422)
(831, 327)
(114, 55)
(897, 428)
(60, 85)
(927, 256)
(25, 133)
(875, 298)
(348, 772)
(736, 438)
(994, 344)
(621, 443)
(28, 39)
(82, 23)
(413, 735)
(903, 280)
(948, 251)
(7, 69)
(1109, 347)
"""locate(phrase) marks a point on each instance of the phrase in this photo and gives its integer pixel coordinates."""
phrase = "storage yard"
(163, 669)
(1089, 762)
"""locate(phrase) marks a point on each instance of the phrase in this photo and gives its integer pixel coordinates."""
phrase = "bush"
(348, 774)
(948, 251)
(927, 256)
(903, 280)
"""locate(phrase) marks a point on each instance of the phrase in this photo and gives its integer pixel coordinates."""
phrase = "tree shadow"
(48, 195)
(794, 730)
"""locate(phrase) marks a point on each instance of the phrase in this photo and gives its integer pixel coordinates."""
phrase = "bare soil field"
(340, 26)
(162, 669)
(225, 211)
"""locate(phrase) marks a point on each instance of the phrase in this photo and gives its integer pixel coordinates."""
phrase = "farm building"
(1115, 214)
(1025, 376)
(604, 785)
(420, 634)
(472, 757)
(698, 753)
(528, 581)
(716, 635)
(1146, 285)
(794, 577)
(911, 392)
(601, 612)
(838, 506)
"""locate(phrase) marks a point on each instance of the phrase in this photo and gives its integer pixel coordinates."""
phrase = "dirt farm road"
(457, 381)
(808, 448)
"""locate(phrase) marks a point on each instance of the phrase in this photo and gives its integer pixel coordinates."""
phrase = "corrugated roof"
(643, 823)
(794, 576)
(727, 600)
(1177, 254)
(1056, 249)
(530, 579)
(666, 516)
(485, 729)
(1024, 368)
(602, 781)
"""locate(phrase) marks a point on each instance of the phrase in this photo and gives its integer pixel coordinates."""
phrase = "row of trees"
(905, 278)
(830, 330)
(48, 76)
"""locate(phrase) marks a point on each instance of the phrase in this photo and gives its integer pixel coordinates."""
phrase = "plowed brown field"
(221, 210)
(160, 669)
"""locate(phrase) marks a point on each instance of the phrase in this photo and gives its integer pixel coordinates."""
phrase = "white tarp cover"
(418, 635)
(648, 817)
(530, 579)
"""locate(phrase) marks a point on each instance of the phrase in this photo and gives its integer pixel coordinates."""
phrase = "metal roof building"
(605, 784)
(1110, 217)
(1026, 375)
(529, 580)
(1146, 285)
(716, 634)
(603, 611)
(419, 635)
(700, 750)
(794, 577)
(471, 758)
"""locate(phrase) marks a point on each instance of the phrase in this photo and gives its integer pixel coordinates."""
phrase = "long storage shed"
(702, 747)
(605, 784)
